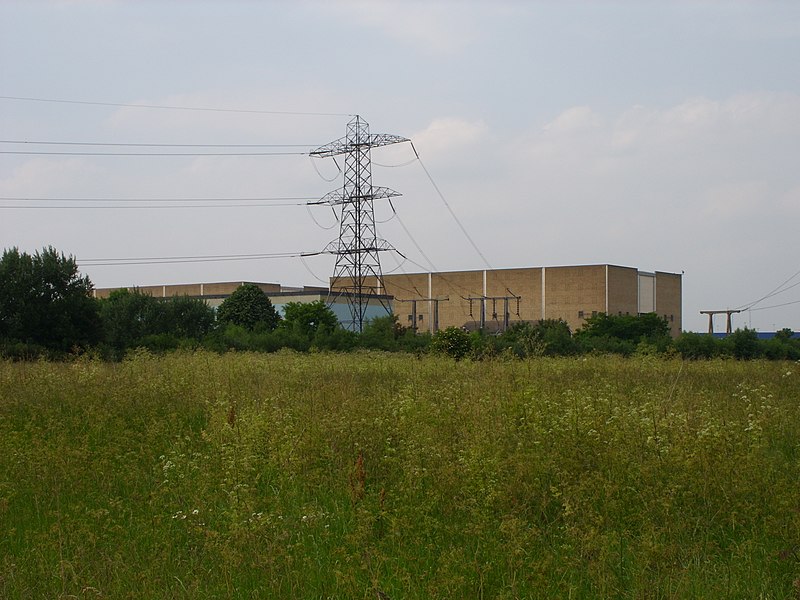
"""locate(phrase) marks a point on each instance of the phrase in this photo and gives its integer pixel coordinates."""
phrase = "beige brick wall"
(668, 300)
(525, 283)
(458, 286)
(410, 287)
(623, 291)
(570, 291)
(190, 289)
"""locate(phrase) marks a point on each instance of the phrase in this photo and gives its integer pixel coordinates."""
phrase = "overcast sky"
(658, 135)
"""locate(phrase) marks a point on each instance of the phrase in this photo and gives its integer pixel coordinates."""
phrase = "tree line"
(47, 309)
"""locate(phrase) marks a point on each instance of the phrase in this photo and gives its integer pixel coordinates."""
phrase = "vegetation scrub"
(316, 475)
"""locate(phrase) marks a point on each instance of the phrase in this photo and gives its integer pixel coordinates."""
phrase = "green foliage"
(782, 347)
(547, 337)
(384, 333)
(132, 319)
(624, 334)
(196, 475)
(453, 342)
(697, 346)
(309, 318)
(45, 302)
(249, 307)
(743, 344)
(625, 327)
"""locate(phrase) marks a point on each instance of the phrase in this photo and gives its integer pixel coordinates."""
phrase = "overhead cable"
(147, 207)
(170, 107)
(77, 153)
(773, 306)
(778, 290)
(162, 199)
(453, 214)
(156, 145)
(159, 260)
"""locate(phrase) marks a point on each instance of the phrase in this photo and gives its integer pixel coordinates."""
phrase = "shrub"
(453, 341)
(697, 345)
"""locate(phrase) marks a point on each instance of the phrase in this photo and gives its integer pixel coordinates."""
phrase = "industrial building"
(215, 293)
(489, 299)
(493, 299)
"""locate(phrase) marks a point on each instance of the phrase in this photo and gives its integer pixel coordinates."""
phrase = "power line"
(47, 153)
(774, 292)
(222, 199)
(453, 214)
(152, 203)
(170, 107)
(148, 207)
(156, 145)
(163, 260)
(773, 306)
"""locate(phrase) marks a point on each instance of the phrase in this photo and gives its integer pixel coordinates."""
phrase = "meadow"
(372, 475)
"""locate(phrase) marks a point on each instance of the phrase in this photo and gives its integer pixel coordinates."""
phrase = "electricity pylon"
(357, 273)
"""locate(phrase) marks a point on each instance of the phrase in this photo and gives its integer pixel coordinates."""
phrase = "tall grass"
(341, 476)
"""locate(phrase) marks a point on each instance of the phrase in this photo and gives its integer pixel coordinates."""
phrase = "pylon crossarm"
(335, 247)
(337, 196)
(343, 146)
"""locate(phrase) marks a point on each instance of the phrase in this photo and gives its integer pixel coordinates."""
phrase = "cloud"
(734, 200)
(449, 135)
(577, 118)
(437, 27)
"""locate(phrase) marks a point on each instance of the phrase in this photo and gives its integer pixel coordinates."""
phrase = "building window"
(411, 318)
(580, 314)
(419, 318)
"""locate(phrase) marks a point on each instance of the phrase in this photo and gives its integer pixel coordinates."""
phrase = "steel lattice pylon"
(357, 273)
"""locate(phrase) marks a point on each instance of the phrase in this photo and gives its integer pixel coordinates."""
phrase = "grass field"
(342, 476)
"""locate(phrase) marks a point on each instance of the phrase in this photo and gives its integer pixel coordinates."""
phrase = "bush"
(743, 344)
(697, 345)
(453, 341)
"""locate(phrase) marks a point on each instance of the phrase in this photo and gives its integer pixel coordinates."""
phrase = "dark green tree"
(697, 345)
(128, 316)
(309, 318)
(131, 319)
(249, 307)
(625, 327)
(45, 301)
(188, 317)
(743, 344)
(382, 333)
(551, 337)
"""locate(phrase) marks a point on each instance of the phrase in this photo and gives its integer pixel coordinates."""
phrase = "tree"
(743, 344)
(309, 318)
(45, 301)
(127, 318)
(188, 317)
(547, 336)
(248, 306)
(382, 333)
(133, 319)
(625, 327)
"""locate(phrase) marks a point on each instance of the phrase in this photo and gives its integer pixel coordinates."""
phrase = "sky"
(658, 135)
